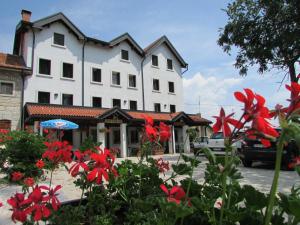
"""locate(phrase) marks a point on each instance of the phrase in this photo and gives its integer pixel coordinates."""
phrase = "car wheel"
(247, 163)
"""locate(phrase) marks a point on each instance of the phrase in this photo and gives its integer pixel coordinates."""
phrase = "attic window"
(59, 39)
(154, 60)
(124, 55)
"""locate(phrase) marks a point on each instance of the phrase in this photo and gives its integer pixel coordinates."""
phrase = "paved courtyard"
(260, 176)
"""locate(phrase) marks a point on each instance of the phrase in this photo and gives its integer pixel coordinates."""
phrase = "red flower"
(46, 131)
(52, 196)
(294, 88)
(4, 131)
(246, 99)
(80, 162)
(58, 152)
(16, 176)
(17, 207)
(162, 165)
(103, 164)
(176, 194)
(164, 132)
(38, 205)
(151, 133)
(40, 164)
(223, 122)
(149, 120)
(1, 204)
(29, 181)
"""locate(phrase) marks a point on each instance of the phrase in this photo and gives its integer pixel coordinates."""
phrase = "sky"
(191, 25)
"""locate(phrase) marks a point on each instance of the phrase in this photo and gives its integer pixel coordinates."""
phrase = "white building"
(101, 84)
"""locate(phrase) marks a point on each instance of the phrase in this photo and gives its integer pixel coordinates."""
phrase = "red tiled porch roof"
(35, 110)
(41, 110)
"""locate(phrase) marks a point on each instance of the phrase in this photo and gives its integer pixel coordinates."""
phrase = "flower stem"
(275, 180)
(51, 175)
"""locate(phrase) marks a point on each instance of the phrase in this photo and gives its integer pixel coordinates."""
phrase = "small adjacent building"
(13, 71)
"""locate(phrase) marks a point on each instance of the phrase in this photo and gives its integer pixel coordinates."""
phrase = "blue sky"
(192, 26)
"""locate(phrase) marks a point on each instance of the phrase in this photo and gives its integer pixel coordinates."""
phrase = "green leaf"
(209, 155)
(182, 169)
(254, 198)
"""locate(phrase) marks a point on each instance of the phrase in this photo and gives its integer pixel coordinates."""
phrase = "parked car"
(215, 142)
(252, 150)
(199, 142)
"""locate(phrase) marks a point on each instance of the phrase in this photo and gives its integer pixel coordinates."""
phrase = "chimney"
(26, 15)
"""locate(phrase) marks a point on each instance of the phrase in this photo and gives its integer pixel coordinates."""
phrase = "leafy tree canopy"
(265, 32)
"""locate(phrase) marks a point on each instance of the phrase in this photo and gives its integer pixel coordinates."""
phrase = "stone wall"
(10, 106)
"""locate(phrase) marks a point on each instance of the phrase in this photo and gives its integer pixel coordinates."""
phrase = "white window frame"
(137, 108)
(157, 67)
(56, 45)
(171, 93)
(112, 102)
(38, 68)
(111, 79)
(91, 72)
(172, 70)
(130, 87)
(14, 86)
(124, 60)
(37, 95)
(159, 88)
(61, 98)
(96, 97)
(62, 70)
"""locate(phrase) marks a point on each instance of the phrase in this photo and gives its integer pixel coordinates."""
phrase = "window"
(117, 102)
(169, 64)
(97, 102)
(133, 105)
(116, 137)
(132, 81)
(6, 88)
(96, 75)
(116, 78)
(171, 87)
(172, 108)
(67, 70)
(124, 55)
(157, 107)
(59, 39)
(154, 60)
(134, 136)
(67, 99)
(44, 97)
(45, 66)
(155, 84)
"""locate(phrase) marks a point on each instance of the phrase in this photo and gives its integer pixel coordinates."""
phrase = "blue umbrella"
(59, 124)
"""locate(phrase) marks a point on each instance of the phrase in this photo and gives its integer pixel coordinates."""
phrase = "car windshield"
(218, 135)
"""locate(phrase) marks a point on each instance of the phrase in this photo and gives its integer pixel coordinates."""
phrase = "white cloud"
(213, 91)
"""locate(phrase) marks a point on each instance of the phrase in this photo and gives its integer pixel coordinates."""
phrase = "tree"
(265, 32)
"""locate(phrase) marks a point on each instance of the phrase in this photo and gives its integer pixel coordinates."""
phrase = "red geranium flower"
(29, 181)
(103, 164)
(17, 207)
(149, 120)
(38, 205)
(223, 122)
(294, 88)
(295, 162)
(1, 204)
(16, 176)
(40, 164)
(176, 194)
(164, 132)
(52, 196)
(80, 162)
(151, 132)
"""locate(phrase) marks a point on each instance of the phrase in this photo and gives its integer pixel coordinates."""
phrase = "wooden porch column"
(186, 139)
(101, 134)
(123, 134)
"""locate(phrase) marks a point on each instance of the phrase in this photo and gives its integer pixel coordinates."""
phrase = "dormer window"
(154, 60)
(59, 39)
(124, 55)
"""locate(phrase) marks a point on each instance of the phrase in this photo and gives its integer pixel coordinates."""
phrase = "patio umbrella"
(59, 124)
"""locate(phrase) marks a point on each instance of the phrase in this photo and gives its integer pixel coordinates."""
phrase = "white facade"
(108, 59)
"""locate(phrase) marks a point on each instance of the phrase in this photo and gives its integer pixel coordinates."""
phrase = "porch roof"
(48, 111)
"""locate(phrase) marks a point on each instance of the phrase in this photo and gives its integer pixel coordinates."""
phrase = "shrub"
(22, 150)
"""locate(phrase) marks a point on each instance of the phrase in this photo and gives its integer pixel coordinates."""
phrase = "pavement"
(260, 176)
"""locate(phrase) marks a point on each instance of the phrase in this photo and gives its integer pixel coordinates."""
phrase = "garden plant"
(151, 191)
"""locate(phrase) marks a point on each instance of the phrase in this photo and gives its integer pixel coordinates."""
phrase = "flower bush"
(152, 191)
